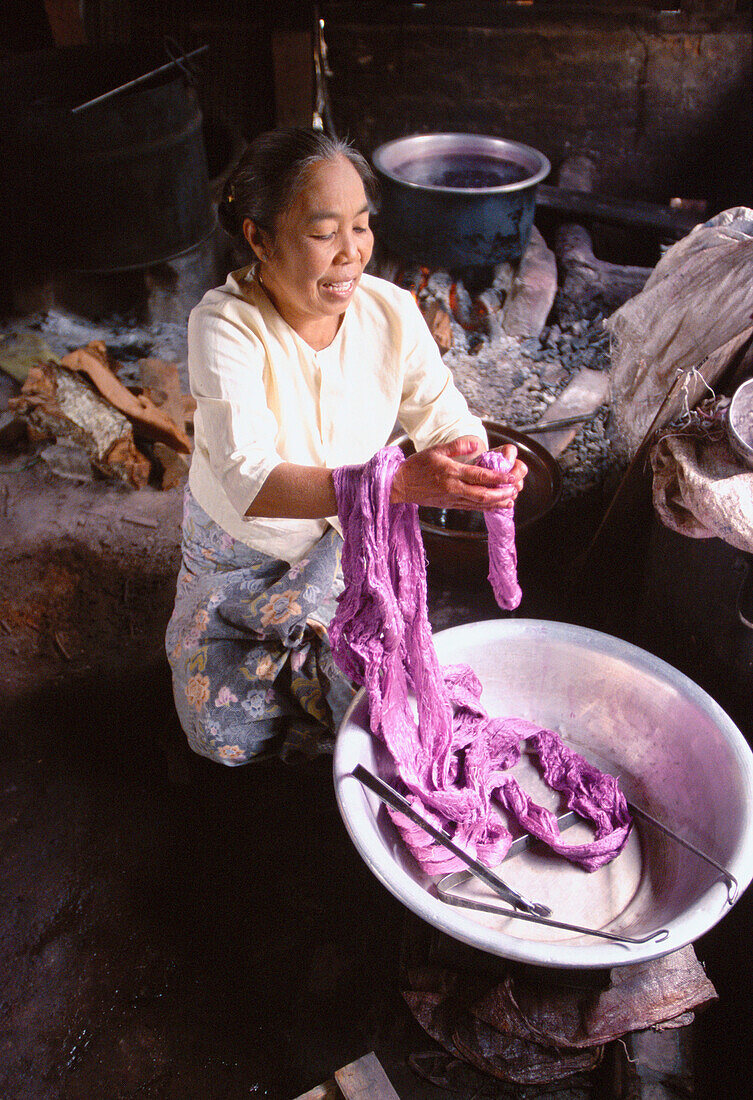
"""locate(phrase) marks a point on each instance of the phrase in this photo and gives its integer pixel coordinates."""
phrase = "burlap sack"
(694, 313)
(702, 490)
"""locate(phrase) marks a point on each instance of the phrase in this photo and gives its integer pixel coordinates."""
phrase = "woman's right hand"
(435, 478)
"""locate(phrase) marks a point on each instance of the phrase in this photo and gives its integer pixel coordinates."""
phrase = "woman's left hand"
(445, 477)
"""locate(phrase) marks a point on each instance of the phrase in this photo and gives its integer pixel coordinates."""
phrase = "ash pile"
(529, 349)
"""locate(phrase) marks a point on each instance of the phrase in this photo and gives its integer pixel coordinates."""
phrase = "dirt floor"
(88, 574)
(170, 928)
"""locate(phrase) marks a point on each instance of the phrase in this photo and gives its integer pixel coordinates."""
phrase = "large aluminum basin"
(676, 752)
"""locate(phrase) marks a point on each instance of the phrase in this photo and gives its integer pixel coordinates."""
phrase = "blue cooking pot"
(457, 200)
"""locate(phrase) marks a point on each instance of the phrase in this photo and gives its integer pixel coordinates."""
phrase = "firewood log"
(58, 404)
(150, 421)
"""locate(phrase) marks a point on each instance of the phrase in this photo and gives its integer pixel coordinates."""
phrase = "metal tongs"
(396, 801)
(523, 909)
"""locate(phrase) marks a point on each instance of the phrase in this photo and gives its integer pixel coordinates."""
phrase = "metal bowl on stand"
(677, 754)
(739, 422)
(455, 541)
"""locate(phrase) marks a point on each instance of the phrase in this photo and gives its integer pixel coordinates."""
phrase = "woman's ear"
(256, 238)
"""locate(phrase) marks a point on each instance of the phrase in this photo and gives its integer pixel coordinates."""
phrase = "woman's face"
(322, 244)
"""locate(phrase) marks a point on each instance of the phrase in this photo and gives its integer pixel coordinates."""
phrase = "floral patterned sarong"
(248, 646)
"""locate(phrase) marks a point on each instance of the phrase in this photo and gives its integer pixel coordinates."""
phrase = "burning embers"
(486, 304)
(454, 317)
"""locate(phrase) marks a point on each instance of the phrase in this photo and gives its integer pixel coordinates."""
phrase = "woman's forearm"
(437, 477)
(295, 492)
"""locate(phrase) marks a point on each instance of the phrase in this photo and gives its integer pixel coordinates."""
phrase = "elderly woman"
(299, 364)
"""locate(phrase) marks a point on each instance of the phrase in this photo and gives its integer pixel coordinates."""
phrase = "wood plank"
(326, 1091)
(585, 393)
(66, 24)
(365, 1080)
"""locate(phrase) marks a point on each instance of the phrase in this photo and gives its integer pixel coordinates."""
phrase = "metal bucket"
(457, 200)
(676, 753)
(120, 185)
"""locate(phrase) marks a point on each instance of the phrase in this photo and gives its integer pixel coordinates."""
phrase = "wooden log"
(438, 320)
(532, 292)
(326, 1091)
(174, 466)
(58, 404)
(93, 361)
(589, 285)
(161, 384)
(602, 208)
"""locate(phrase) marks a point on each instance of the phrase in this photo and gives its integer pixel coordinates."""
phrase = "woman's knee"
(235, 745)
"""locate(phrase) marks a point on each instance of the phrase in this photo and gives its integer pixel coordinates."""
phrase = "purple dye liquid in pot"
(464, 170)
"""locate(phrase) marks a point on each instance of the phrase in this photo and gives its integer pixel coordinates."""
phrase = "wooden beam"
(603, 208)
(293, 61)
(65, 22)
(327, 1091)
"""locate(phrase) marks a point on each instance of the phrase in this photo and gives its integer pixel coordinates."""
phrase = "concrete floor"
(170, 928)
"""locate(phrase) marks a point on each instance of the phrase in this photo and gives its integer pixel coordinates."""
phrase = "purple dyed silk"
(451, 757)
(503, 557)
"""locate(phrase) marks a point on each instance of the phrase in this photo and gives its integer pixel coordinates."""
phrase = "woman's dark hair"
(271, 172)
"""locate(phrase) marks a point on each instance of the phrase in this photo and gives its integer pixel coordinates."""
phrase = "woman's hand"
(444, 477)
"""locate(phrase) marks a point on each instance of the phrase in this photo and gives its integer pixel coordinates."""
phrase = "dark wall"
(662, 102)
(660, 99)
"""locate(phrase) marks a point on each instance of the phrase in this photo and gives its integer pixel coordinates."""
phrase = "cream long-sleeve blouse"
(264, 396)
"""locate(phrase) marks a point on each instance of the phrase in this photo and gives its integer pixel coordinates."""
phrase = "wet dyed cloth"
(503, 555)
(452, 759)
(247, 644)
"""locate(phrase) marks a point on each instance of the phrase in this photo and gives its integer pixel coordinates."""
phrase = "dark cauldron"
(455, 541)
(120, 185)
(457, 200)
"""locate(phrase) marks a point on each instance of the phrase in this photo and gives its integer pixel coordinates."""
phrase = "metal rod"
(555, 425)
(391, 797)
(445, 886)
(521, 843)
(139, 79)
(729, 879)
(628, 477)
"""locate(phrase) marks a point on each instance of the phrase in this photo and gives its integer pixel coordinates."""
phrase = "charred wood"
(589, 286)
(665, 221)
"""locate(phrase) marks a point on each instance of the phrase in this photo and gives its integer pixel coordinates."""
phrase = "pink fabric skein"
(450, 756)
(503, 557)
